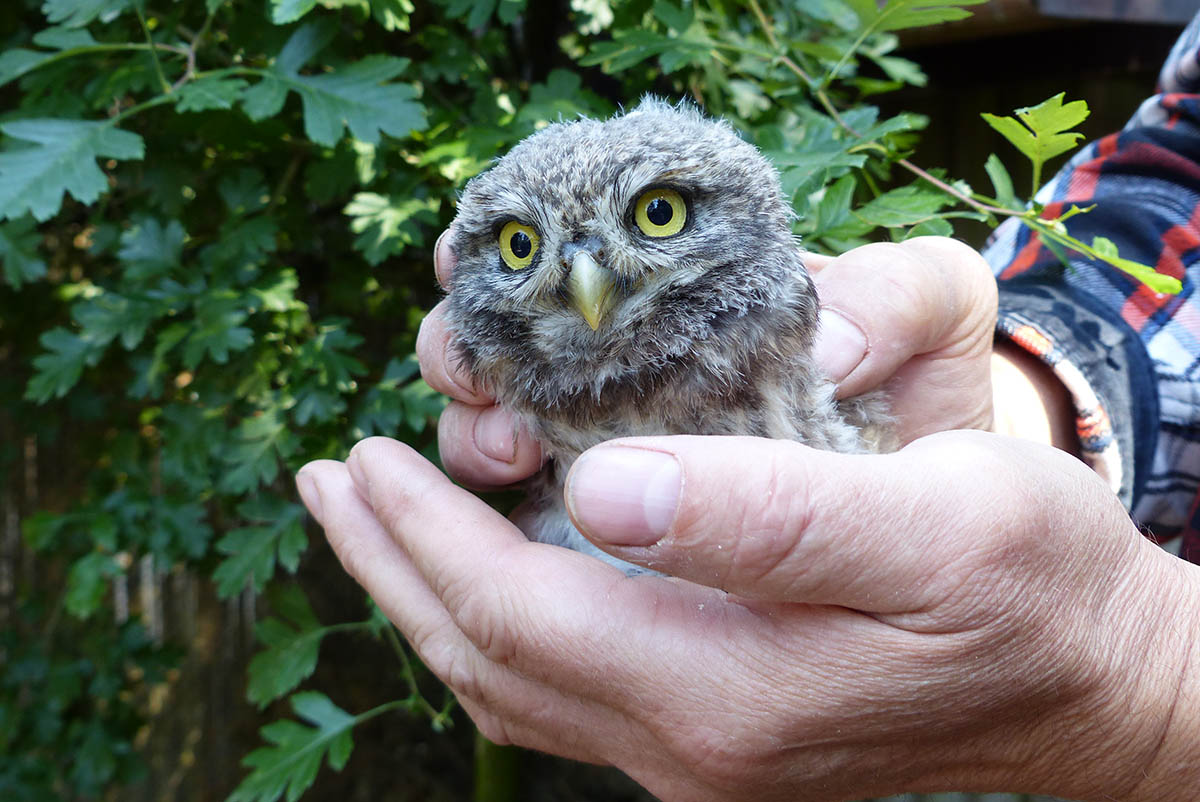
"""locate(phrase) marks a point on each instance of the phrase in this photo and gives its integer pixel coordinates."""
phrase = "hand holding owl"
(852, 624)
(856, 625)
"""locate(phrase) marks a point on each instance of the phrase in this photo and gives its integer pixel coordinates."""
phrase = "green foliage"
(291, 764)
(215, 224)
(1042, 132)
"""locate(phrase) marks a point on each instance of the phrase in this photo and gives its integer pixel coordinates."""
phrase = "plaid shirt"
(1129, 357)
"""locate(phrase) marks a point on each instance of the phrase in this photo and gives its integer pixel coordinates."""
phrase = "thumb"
(883, 304)
(778, 521)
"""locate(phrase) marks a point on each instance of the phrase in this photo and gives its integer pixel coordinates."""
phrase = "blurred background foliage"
(216, 221)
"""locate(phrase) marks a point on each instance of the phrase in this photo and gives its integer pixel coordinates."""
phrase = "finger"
(816, 262)
(783, 522)
(441, 366)
(507, 707)
(486, 448)
(444, 260)
(884, 303)
(556, 616)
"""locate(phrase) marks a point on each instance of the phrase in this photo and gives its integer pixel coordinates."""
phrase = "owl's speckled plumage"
(708, 331)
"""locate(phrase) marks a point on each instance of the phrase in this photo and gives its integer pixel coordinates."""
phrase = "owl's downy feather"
(705, 330)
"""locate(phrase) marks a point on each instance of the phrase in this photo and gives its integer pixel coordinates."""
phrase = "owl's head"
(598, 253)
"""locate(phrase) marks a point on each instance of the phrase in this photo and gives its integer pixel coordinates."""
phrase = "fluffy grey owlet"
(638, 276)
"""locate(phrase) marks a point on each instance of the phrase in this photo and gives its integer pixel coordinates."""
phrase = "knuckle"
(770, 541)
(485, 614)
(720, 757)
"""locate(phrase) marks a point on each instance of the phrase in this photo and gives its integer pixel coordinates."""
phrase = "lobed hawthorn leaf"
(217, 329)
(1041, 132)
(275, 537)
(210, 93)
(293, 641)
(108, 315)
(19, 243)
(58, 370)
(62, 159)
(386, 226)
(149, 249)
(255, 450)
(289, 766)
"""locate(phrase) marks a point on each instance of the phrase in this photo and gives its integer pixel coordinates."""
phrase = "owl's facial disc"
(590, 288)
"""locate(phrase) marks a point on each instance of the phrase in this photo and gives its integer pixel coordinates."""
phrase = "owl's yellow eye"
(660, 212)
(518, 244)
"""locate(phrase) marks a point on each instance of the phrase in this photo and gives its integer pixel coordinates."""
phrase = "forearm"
(1029, 401)
(1166, 684)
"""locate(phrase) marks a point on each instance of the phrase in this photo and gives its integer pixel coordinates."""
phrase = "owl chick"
(638, 276)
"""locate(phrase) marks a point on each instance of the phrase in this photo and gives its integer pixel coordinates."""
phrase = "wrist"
(1029, 401)
(1168, 683)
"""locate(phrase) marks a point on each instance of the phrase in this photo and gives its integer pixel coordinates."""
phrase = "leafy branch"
(1040, 132)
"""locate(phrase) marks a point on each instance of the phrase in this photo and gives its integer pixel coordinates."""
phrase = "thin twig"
(162, 76)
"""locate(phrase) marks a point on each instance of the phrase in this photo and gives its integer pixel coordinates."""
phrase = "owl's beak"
(590, 288)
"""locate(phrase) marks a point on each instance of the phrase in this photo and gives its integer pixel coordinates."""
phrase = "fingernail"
(840, 345)
(439, 266)
(624, 496)
(495, 434)
(306, 486)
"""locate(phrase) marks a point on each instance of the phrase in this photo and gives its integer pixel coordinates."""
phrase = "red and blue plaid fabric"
(1129, 356)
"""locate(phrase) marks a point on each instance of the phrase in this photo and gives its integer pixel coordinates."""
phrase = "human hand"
(916, 318)
(972, 612)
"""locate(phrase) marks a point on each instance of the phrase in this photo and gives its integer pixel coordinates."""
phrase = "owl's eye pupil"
(520, 244)
(659, 211)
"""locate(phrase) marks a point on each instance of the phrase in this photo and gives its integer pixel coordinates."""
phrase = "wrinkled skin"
(973, 612)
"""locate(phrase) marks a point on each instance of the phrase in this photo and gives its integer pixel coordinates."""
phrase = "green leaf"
(107, 316)
(77, 13)
(244, 191)
(289, 767)
(217, 330)
(18, 61)
(677, 18)
(1106, 249)
(19, 243)
(293, 642)
(285, 11)
(386, 226)
(897, 15)
(1002, 182)
(938, 227)
(149, 249)
(357, 96)
(477, 12)
(905, 206)
(1041, 131)
(62, 159)
(209, 93)
(57, 371)
(87, 581)
(252, 552)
